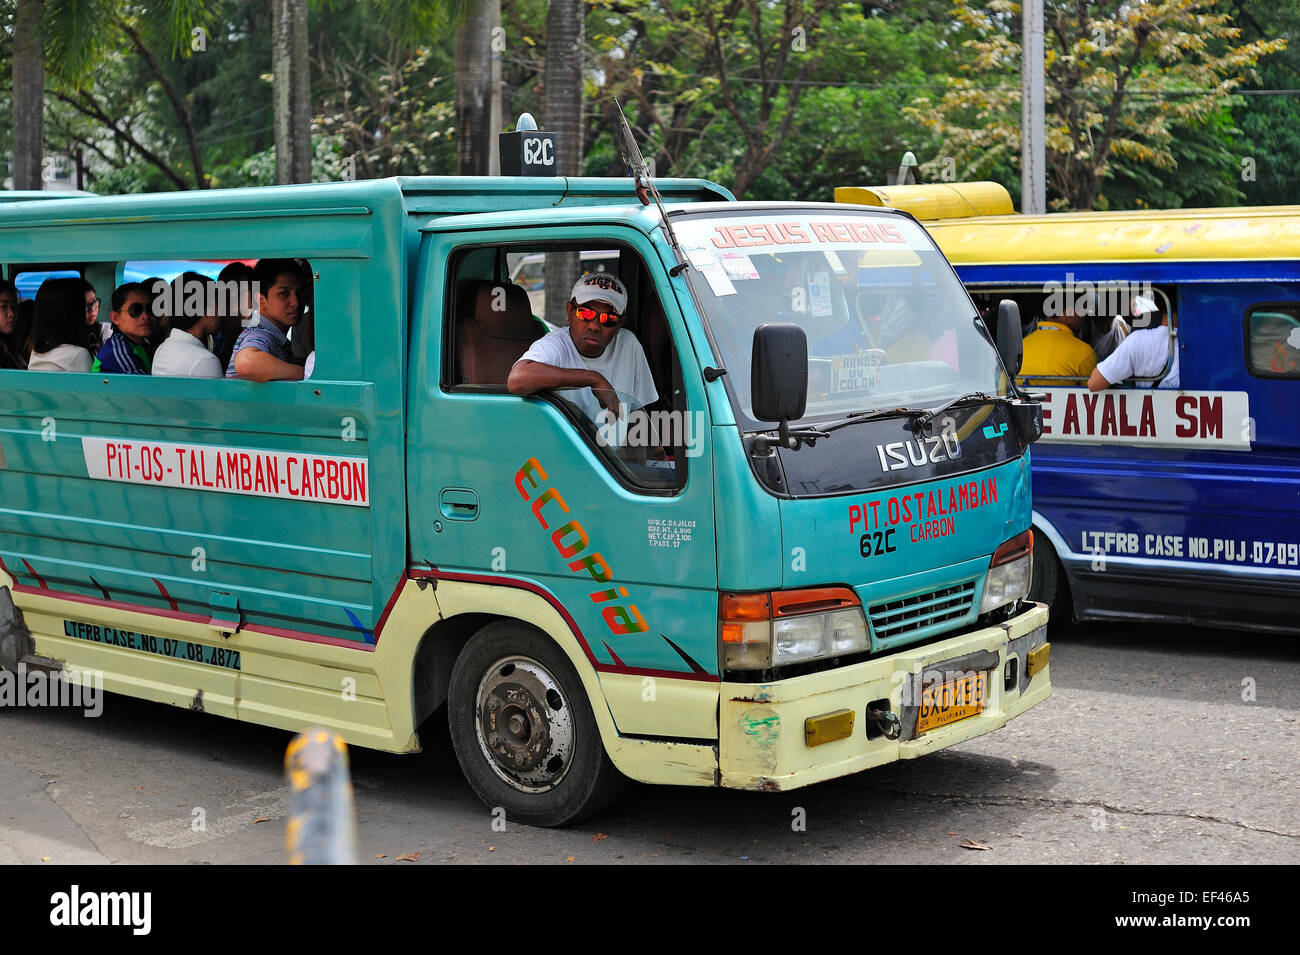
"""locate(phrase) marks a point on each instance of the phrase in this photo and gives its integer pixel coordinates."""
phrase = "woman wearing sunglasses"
(59, 327)
(126, 352)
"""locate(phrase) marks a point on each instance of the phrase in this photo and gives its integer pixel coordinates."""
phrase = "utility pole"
(1033, 149)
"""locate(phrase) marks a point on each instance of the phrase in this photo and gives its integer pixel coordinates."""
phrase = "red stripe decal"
(166, 596)
(432, 573)
(39, 579)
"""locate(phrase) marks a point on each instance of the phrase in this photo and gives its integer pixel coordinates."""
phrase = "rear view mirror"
(779, 372)
(1027, 420)
(1010, 336)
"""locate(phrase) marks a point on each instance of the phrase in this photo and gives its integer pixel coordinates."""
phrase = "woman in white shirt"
(59, 329)
(184, 354)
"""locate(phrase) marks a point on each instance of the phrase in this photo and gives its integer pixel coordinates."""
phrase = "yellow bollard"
(322, 827)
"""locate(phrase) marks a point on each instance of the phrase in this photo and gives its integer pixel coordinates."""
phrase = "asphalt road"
(1146, 753)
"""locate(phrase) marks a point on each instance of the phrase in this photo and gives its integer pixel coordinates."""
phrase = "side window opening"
(1098, 303)
(498, 310)
(1272, 339)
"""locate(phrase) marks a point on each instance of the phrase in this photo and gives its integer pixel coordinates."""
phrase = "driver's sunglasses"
(590, 314)
(136, 309)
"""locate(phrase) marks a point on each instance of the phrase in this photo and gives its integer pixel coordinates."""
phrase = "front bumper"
(761, 725)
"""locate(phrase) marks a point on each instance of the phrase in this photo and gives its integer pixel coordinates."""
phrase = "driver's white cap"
(1143, 305)
(600, 287)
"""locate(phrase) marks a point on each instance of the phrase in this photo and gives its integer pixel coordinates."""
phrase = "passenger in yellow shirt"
(1054, 349)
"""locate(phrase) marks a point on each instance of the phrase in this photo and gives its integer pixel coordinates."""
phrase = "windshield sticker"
(819, 294)
(1162, 418)
(806, 233)
(859, 372)
(706, 263)
(737, 265)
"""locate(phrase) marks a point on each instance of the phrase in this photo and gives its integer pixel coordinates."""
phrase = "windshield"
(887, 321)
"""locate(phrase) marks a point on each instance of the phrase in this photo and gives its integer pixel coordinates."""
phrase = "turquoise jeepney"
(807, 557)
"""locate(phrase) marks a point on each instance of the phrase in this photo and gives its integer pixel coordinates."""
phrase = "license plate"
(944, 703)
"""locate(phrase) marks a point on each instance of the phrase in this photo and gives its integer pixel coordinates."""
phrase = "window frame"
(1067, 381)
(1292, 306)
(611, 238)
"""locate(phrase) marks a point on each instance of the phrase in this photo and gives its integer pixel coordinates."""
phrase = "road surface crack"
(1092, 804)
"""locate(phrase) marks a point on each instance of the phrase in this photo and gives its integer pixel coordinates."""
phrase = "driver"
(595, 359)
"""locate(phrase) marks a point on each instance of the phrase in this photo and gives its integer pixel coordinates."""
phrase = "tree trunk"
(291, 91)
(562, 109)
(478, 92)
(28, 96)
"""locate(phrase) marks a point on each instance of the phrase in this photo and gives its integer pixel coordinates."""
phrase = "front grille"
(922, 610)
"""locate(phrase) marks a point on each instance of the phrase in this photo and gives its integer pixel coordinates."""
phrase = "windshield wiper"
(858, 417)
(928, 416)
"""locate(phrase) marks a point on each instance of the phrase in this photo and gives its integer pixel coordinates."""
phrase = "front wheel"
(523, 729)
(1049, 584)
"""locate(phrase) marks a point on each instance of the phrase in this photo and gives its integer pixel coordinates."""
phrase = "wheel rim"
(524, 725)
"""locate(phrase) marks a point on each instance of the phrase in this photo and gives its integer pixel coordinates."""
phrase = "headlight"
(1010, 572)
(760, 631)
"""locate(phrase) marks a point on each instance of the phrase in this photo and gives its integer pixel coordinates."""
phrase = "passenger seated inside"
(235, 312)
(1143, 354)
(594, 362)
(185, 352)
(1053, 349)
(262, 351)
(59, 327)
(159, 321)
(11, 347)
(127, 351)
(94, 335)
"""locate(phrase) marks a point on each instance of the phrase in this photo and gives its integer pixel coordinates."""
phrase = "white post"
(1033, 150)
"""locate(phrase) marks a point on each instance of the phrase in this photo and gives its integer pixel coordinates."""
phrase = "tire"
(1049, 584)
(523, 729)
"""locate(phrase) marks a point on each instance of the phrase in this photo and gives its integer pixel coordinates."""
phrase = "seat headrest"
(502, 310)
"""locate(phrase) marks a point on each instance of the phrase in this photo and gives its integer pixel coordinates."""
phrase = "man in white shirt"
(595, 359)
(184, 353)
(1142, 354)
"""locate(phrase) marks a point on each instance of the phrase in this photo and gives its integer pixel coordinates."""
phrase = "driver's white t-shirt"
(1142, 354)
(623, 364)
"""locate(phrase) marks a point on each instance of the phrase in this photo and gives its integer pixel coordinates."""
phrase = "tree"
(1123, 80)
(83, 37)
(478, 90)
(1268, 116)
(562, 112)
(291, 89)
(28, 95)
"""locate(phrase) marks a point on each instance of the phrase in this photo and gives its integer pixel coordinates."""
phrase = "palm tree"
(28, 95)
(562, 112)
(291, 91)
(76, 34)
(478, 87)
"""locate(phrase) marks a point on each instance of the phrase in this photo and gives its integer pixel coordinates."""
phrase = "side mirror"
(1027, 420)
(779, 372)
(1010, 336)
